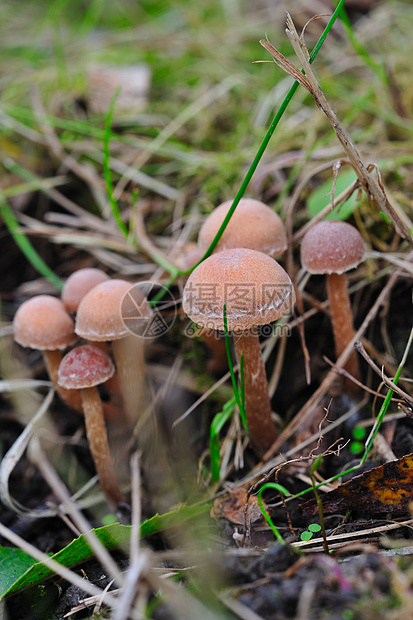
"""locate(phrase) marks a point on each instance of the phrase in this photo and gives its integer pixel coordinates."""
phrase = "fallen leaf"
(387, 488)
(233, 508)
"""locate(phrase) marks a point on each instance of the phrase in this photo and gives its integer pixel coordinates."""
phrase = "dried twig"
(388, 382)
(347, 375)
(372, 185)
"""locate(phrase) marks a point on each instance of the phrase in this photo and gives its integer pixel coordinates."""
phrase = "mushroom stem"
(342, 319)
(98, 442)
(130, 364)
(257, 401)
(72, 398)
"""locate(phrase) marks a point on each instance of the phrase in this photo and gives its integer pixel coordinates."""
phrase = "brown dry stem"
(369, 182)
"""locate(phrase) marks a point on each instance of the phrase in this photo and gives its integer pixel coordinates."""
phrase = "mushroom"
(255, 290)
(253, 225)
(99, 319)
(79, 283)
(332, 248)
(43, 323)
(83, 368)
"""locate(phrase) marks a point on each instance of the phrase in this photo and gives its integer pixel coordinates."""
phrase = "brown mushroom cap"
(84, 367)
(332, 247)
(43, 323)
(99, 316)
(79, 284)
(254, 287)
(253, 225)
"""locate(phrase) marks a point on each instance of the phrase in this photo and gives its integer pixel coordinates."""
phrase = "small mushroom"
(255, 290)
(253, 225)
(79, 283)
(83, 369)
(332, 248)
(43, 323)
(99, 319)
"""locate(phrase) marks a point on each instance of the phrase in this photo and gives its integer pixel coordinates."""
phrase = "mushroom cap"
(43, 323)
(84, 367)
(100, 316)
(254, 287)
(253, 225)
(79, 283)
(332, 247)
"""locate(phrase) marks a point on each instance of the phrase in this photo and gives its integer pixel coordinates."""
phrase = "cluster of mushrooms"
(242, 273)
(47, 324)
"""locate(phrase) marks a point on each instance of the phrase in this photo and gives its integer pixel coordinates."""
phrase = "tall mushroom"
(332, 248)
(43, 323)
(253, 225)
(255, 290)
(83, 368)
(99, 319)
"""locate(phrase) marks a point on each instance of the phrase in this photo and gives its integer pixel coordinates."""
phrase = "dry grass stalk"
(373, 186)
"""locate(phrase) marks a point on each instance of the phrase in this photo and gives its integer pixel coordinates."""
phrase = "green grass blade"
(266, 139)
(242, 382)
(216, 426)
(19, 571)
(26, 247)
(280, 489)
(106, 168)
(237, 394)
(386, 402)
